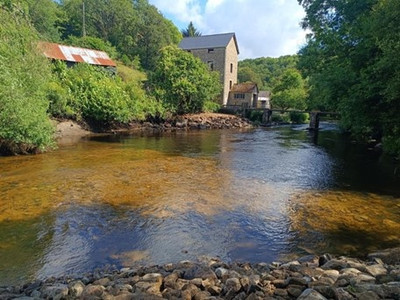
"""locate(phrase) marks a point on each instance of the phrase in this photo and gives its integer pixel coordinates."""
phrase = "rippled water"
(257, 195)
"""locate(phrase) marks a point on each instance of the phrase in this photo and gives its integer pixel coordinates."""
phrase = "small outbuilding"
(244, 95)
(73, 55)
(264, 99)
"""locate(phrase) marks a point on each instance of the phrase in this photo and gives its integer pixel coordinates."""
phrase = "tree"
(183, 82)
(190, 31)
(352, 65)
(290, 92)
(247, 74)
(24, 123)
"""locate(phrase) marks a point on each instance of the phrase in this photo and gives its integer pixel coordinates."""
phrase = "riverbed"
(252, 195)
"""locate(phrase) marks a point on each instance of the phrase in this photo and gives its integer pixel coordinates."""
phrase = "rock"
(233, 284)
(323, 259)
(56, 291)
(93, 292)
(341, 294)
(326, 291)
(376, 270)
(76, 288)
(368, 296)
(222, 273)
(294, 291)
(335, 264)
(281, 293)
(170, 280)
(102, 281)
(310, 294)
(280, 283)
(214, 290)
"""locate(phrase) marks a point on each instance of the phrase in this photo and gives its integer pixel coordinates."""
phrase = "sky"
(263, 28)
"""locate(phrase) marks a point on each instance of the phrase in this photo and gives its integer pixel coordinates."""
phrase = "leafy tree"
(46, 16)
(290, 92)
(247, 74)
(183, 82)
(265, 70)
(152, 32)
(190, 31)
(352, 65)
(24, 124)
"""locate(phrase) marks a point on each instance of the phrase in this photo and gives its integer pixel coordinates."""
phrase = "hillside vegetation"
(133, 33)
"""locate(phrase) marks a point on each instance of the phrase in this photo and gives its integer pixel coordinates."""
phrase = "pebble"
(339, 278)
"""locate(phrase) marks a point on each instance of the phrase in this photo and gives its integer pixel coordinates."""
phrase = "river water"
(256, 195)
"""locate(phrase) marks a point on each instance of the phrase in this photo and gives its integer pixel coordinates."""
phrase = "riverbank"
(68, 131)
(309, 277)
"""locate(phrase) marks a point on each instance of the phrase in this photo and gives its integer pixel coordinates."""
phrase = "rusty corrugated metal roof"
(76, 54)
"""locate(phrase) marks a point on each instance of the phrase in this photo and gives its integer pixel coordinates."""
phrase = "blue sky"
(263, 27)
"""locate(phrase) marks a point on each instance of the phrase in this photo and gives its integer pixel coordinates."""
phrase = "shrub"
(280, 118)
(298, 117)
(24, 123)
(183, 82)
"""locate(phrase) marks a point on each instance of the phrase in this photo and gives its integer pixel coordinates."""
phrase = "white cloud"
(262, 27)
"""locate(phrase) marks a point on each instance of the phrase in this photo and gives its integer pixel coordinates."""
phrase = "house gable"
(220, 53)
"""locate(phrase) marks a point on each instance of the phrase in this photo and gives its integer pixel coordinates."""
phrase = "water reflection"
(258, 195)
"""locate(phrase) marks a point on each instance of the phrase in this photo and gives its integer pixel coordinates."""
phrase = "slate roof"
(264, 94)
(247, 87)
(208, 41)
(76, 54)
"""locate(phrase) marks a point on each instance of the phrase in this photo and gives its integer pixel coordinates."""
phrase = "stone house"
(220, 52)
(244, 95)
(264, 99)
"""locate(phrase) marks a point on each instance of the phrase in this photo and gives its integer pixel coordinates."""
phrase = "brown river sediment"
(254, 195)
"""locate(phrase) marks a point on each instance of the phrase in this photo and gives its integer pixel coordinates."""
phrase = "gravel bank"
(310, 277)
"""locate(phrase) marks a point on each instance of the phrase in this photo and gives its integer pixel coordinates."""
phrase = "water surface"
(256, 195)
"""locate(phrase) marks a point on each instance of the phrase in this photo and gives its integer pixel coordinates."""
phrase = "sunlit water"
(258, 195)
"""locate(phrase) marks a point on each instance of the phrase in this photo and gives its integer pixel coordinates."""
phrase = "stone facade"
(244, 95)
(220, 53)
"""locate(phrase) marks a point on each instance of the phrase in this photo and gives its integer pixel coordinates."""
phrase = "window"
(230, 84)
(231, 68)
(238, 96)
(210, 50)
(210, 64)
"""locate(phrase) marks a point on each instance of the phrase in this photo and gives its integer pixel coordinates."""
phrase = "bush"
(254, 115)
(280, 118)
(183, 82)
(24, 123)
(298, 117)
(211, 106)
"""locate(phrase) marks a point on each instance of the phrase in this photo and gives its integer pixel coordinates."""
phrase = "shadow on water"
(257, 195)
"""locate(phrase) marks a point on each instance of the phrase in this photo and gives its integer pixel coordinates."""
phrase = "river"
(257, 195)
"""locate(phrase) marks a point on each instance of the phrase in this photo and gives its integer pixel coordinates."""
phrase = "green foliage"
(254, 115)
(46, 16)
(136, 28)
(247, 74)
(183, 82)
(352, 63)
(298, 117)
(24, 124)
(190, 31)
(265, 70)
(277, 117)
(92, 94)
(290, 91)
(211, 106)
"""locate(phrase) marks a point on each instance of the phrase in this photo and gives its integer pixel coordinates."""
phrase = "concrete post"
(314, 121)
